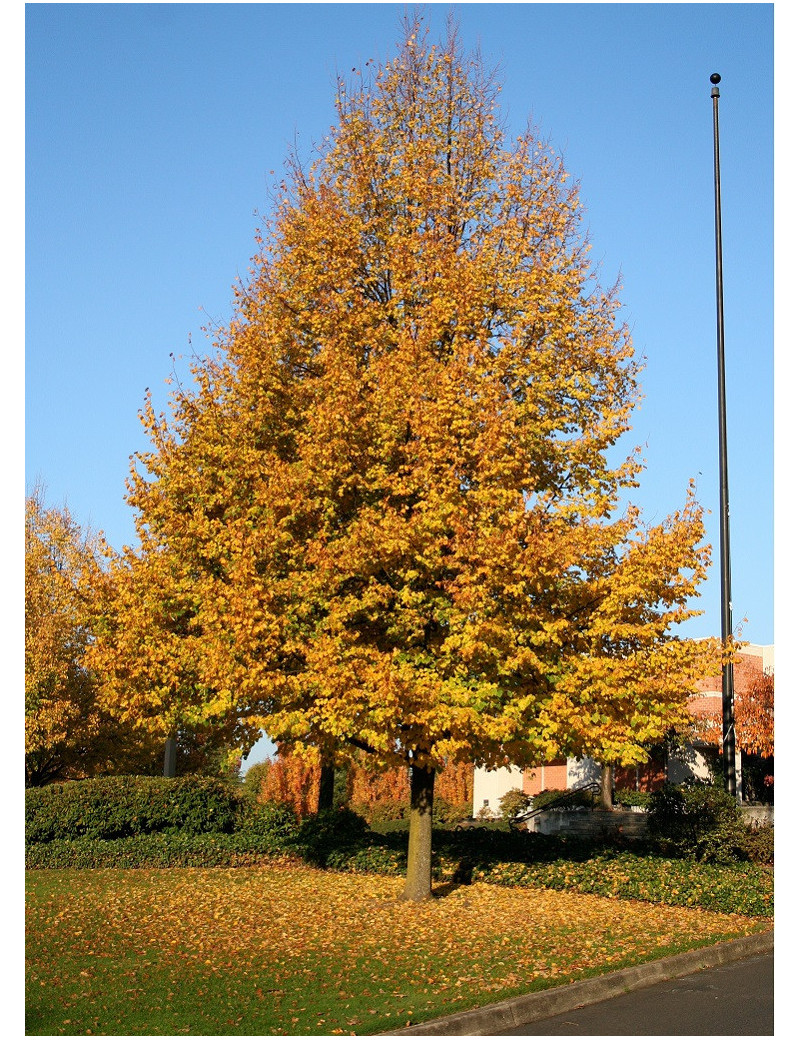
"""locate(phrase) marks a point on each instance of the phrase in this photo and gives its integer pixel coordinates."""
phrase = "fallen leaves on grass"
(298, 950)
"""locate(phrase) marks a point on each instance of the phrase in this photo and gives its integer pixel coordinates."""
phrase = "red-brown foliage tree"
(292, 780)
(755, 717)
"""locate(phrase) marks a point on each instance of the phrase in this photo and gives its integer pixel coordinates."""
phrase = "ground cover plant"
(292, 950)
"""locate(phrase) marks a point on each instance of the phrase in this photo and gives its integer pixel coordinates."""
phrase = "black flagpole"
(728, 731)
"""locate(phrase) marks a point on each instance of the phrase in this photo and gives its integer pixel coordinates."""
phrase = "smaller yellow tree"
(63, 724)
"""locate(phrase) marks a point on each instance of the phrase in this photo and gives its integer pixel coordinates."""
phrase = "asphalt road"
(728, 1000)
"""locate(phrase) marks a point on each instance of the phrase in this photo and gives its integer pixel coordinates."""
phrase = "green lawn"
(289, 950)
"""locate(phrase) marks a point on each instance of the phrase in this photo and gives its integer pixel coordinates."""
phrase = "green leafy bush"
(513, 803)
(759, 845)
(119, 806)
(684, 814)
(369, 859)
(630, 798)
(741, 889)
(446, 814)
(156, 850)
(704, 822)
(390, 811)
(381, 812)
(253, 780)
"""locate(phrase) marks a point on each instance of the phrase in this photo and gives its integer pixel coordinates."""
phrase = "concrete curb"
(489, 1020)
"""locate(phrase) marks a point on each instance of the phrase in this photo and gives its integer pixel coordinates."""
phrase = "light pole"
(728, 731)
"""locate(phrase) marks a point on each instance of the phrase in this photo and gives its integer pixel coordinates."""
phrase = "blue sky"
(154, 131)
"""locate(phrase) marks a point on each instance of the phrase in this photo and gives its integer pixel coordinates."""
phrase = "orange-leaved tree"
(291, 779)
(387, 503)
(388, 788)
(755, 716)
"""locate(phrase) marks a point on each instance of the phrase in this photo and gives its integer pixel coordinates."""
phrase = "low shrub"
(156, 850)
(575, 799)
(735, 842)
(390, 810)
(759, 844)
(632, 799)
(273, 820)
(742, 889)
(685, 814)
(703, 822)
(369, 859)
(120, 806)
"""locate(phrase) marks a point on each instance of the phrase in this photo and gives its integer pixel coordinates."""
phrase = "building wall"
(690, 763)
(582, 771)
(550, 776)
(648, 776)
(491, 784)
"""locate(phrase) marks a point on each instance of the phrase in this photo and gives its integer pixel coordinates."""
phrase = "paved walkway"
(685, 995)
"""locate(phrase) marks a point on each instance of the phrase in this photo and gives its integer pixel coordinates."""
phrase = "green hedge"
(579, 798)
(155, 850)
(122, 806)
(629, 798)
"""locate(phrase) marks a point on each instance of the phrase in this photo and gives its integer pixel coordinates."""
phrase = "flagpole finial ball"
(715, 78)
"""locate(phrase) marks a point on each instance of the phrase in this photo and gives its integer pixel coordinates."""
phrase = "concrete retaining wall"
(590, 823)
(759, 815)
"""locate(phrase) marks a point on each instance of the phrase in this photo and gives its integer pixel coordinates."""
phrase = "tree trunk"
(171, 757)
(607, 787)
(325, 797)
(420, 834)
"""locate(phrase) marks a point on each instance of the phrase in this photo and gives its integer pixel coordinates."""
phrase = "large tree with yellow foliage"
(386, 514)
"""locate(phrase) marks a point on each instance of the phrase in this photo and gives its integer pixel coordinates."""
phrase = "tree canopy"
(387, 513)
